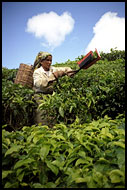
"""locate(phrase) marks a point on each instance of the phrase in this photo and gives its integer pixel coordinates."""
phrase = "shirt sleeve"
(64, 69)
(41, 80)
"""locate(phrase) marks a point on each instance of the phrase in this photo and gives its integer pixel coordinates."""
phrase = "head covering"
(41, 56)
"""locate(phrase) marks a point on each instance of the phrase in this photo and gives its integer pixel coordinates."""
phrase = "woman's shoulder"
(38, 70)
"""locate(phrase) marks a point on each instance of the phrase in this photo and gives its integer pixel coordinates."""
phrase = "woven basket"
(24, 75)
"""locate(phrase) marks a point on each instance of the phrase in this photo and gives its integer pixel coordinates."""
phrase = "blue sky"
(65, 29)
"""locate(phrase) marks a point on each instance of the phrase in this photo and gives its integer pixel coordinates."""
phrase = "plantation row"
(90, 94)
(84, 144)
(83, 156)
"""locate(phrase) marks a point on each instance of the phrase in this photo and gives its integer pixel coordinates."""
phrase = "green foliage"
(113, 55)
(90, 94)
(91, 155)
(86, 146)
(9, 74)
(17, 105)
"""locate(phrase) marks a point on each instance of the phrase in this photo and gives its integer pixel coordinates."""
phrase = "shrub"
(91, 155)
(9, 74)
(86, 146)
(113, 55)
(90, 94)
(17, 105)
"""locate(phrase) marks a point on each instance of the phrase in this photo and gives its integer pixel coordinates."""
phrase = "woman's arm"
(61, 71)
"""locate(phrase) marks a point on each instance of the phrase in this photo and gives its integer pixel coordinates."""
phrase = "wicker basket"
(24, 75)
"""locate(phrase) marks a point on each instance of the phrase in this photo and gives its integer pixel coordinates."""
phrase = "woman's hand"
(59, 74)
(70, 73)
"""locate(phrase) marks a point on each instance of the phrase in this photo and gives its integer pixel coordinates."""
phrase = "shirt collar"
(50, 70)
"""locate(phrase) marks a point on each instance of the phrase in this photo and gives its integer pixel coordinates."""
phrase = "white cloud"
(52, 27)
(109, 32)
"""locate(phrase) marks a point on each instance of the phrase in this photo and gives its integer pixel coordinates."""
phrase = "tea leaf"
(61, 111)
(122, 145)
(23, 162)
(11, 185)
(53, 168)
(20, 176)
(116, 176)
(44, 151)
(14, 148)
(80, 180)
(38, 185)
(82, 154)
(50, 185)
(6, 173)
(58, 163)
(81, 161)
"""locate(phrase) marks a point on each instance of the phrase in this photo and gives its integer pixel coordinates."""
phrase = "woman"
(44, 74)
(43, 77)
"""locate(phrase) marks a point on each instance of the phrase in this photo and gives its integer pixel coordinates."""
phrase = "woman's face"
(46, 63)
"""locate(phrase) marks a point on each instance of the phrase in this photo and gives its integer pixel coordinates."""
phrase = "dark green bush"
(90, 94)
(17, 105)
(113, 55)
(9, 74)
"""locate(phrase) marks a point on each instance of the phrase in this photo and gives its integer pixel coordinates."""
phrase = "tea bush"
(9, 74)
(17, 105)
(90, 94)
(91, 155)
(86, 146)
(113, 55)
